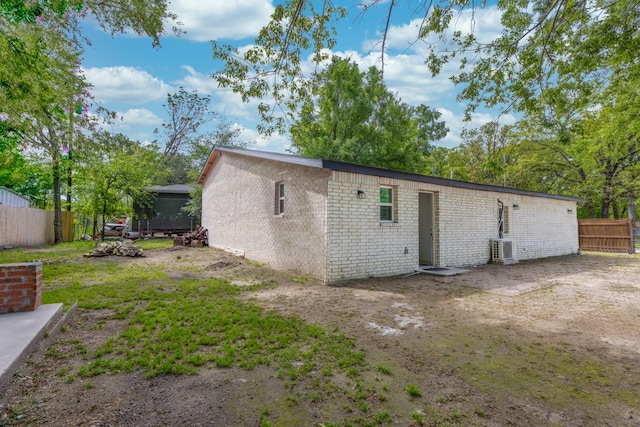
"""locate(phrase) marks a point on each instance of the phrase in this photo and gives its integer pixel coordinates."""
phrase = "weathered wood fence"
(31, 227)
(606, 235)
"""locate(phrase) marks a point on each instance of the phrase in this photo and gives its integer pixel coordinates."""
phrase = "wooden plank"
(25, 226)
(606, 235)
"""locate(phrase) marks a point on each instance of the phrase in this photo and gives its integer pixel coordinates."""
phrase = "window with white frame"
(279, 198)
(386, 204)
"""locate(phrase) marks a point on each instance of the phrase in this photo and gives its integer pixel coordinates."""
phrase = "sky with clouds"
(131, 77)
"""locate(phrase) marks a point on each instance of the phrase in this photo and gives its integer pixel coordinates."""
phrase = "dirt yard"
(548, 342)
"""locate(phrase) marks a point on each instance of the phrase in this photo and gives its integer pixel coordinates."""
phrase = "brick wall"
(465, 221)
(328, 232)
(20, 287)
(239, 209)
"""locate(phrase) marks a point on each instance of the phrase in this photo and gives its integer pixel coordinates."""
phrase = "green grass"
(70, 251)
(47, 254)
(200, 322)
(413, 390)
(383, 369)
(501, 364)
(177, 326)
(154, 244)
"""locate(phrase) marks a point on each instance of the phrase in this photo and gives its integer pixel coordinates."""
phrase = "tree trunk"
(104, 217)
(604, 212)
(631, 201)
(57, 205)
(69, 172)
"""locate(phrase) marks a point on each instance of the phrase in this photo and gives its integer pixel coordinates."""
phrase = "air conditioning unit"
(503, 251)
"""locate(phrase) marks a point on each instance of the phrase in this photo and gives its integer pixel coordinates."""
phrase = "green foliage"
(482, 155)
(418, 418)
(43, 95)
(569, 68)
(115, 172)
(355, 119)
(543, 45)
(272, 67)
(23, 173)
(413, 390)
(384, 369)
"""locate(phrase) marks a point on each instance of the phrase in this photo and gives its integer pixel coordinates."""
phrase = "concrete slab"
(20, 333)
(441, 271)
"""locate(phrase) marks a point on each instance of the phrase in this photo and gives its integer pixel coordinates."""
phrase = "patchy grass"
(173, 324)
(177, 326)
(499, 363)
(155, 244)
(413, 390)
(47, 254)
(69, 251)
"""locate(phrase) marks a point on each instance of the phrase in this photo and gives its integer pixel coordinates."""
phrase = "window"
(505, 215)
(279, 198)
(386, 204)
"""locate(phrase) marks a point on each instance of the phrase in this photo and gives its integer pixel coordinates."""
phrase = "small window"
(506, 220)
(386, 204)
(279, 198)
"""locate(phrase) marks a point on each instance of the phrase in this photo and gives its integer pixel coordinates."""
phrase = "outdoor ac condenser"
(503, 251)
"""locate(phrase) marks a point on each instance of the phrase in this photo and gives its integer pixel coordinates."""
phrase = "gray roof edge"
(15, 193)
(173, 188)
(278, 157)
(388, 173)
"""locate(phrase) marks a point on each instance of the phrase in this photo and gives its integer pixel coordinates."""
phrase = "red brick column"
(20, 287)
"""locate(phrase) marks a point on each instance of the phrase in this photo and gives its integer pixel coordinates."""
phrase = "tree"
(225, 135)
(40, 86)
(556, 62)
(187, 112)
(354, 118)
(545, 49)
(114, 174)
(23, 173)
(482, 155)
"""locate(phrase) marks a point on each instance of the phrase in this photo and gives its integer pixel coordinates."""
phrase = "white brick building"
(339, 221)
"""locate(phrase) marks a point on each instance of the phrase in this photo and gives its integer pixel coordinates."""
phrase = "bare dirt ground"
(546, 342)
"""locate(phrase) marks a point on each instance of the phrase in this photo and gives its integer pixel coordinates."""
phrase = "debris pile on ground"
(197, 238)
(124, 248)
(221, 265)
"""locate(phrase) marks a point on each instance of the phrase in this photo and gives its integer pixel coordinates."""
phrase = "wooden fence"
(31, 227)
(606, 235)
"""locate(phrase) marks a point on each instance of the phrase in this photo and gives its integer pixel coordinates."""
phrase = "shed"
(11, 198)
(339, 221)
(164, 214)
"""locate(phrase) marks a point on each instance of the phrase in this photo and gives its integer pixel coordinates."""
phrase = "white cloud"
(127, 85)
(224, 100)
(195, 80)
(136, 123)
(140, 116)
(484, 22)
(276, 142)
(226, 19)
(404, 63)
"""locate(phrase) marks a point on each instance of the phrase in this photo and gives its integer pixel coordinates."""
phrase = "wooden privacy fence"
(606, 235)
(31, 227)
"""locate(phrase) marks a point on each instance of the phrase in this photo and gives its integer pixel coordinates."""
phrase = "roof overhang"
(373, 171)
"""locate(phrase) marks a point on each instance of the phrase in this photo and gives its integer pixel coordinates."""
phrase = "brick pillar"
(20, 287)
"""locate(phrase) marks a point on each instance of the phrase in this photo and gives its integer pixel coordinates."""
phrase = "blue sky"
(133, 79)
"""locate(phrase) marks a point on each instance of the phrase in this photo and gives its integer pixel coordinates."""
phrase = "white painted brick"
(328, 232)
